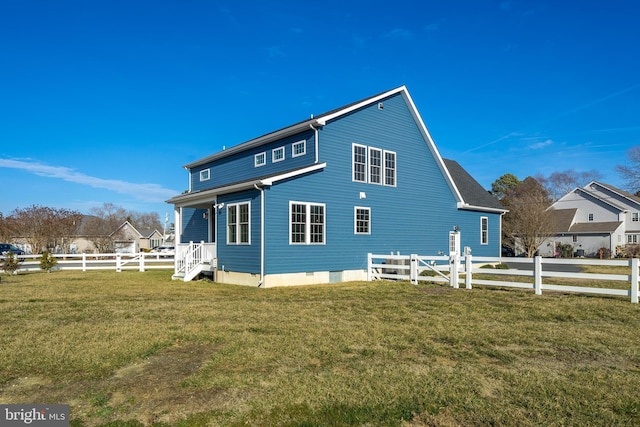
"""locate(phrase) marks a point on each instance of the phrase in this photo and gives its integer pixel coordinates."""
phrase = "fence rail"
(113, 261)
(456, 270)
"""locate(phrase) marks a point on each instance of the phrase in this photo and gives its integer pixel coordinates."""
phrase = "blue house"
(306, 203)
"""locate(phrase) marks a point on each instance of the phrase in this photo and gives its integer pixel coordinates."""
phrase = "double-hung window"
(239, 223)
(373, 165)
(362, 220)
(359, 163)
(390, 168)
(306, 223)
(634, 217)
(484, 230)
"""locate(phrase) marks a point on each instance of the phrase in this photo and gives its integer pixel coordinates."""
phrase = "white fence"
(456, 270)
(115, 261)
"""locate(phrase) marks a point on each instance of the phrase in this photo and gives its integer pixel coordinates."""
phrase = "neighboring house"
(306, 203)
(128, 239)
(593, 217)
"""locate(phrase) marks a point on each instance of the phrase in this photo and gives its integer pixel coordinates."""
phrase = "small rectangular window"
(359, 163)
(298, 148)
(204, 175)
(260, 159)
(590, 217)
(574, 239)
(362, 220)
(484, 230)
(277, 154)
(634, 217)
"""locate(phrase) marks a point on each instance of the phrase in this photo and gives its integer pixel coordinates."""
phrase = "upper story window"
(590, 217)
(306, 223)
(390, 168)
(239, 223)
(277, 154)
(373, 165)
(298, 148)
(634, 217)
(359, 163)
(484, 230)
(260, 159)
(205, 174)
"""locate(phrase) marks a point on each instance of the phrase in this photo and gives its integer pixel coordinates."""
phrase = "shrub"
(10, 263)
(564, 250)
(48, 261)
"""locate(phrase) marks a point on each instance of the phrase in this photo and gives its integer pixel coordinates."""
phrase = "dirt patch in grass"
(151, 390)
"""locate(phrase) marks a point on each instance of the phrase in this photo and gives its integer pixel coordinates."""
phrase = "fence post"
(84, 261)
(454, 263)
(413, 271)
(118, 263)
(467, 267)
(141, 261)
(369, 259)
(635, 276)
(537, 275)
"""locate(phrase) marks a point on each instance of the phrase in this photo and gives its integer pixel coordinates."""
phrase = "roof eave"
(465, 206)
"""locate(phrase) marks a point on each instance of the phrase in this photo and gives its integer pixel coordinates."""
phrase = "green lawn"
(131, 348)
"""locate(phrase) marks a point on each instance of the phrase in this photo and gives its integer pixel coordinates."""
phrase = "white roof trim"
(462, 205)
(273, 179)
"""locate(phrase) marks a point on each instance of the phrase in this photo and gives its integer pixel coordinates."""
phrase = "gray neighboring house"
(592, 217)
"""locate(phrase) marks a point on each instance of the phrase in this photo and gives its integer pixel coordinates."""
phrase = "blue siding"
(195, 227)
(241, 166)
(240, 257)
(414, 217)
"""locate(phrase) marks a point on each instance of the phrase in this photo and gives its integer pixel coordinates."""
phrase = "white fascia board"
(324, 119)
(432, 147)
(462, 205)
(273, 179)
(192, 199)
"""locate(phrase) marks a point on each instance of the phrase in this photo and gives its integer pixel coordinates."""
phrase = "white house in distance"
(595, 216)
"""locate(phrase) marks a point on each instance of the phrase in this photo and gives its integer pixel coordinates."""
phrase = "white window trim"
(304, 148)
(273, 155)
(205, 174)
(590, 217)
(355, 220)
(635, 216)
(366, 163)
(381, 165)
(307, 231)
(237, 224)
(257, 156)
(484, 220)
(384, 168)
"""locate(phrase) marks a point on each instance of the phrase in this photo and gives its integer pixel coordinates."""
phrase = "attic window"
(590, 217)
(204, 175)
(260, 159)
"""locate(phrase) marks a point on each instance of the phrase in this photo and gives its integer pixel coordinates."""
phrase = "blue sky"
(104, 101)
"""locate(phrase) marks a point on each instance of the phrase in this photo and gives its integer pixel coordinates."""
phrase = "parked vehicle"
(5, 248)
(507, 251)
(164, 250)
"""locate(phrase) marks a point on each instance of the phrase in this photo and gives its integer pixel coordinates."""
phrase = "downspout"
(261, 190)
(316, 140)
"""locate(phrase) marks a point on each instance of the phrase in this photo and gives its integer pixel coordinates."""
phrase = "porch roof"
(203, 198)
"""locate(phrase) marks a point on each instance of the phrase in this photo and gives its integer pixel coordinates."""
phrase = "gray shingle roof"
(471, 191)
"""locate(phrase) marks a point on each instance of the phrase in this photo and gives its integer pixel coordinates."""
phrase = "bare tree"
(528, 221)
(41, 226)
(104, 220)
(631, 171)
(560, 183)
